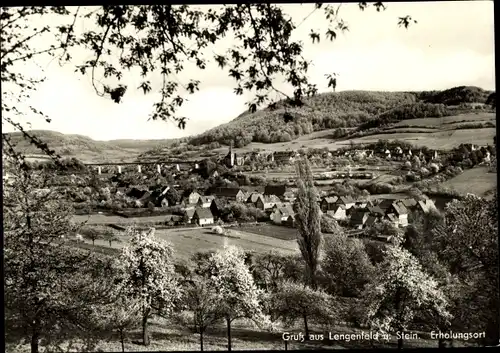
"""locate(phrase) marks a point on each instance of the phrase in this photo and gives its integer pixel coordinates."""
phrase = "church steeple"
(231, 154)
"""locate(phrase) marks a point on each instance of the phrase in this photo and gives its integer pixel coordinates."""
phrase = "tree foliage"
(346, 265)
(201, 307)
(399, 290)
(467, 243)
(237, 295)
(149, 275)
(122, 315)
(308, 220)
(295, 301)
(49, 286)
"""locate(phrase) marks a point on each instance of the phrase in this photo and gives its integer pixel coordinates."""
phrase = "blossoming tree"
(150, 275)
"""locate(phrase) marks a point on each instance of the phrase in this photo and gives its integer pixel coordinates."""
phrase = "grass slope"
(188, 241)
(476, 181)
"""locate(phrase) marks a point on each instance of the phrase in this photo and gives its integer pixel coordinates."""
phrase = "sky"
(451, 45)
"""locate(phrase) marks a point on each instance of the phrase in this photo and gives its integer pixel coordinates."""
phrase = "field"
(476, 181)
(113, 219)
(448, 121)
(274, 231)
(187, 242)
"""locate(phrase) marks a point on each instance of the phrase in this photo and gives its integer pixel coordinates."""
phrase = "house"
(384, 204)
(399, 209)
(290, 221)
(278, 190)
(283, 156)
(359, 218)
(470, 147)
(254, 156)
(216, 208)
(253, 197)
(203, 216)
(191, 198)
(362, 204)
(410, 204)
(280, 214)
(173, 220)
(240, 160)
(234, 194)
(376, 212)
(164, 202)
(266, 202)
(393, 219)
(164, 190)
(147, 197)
(205, 201)
(338, 212)
(328, 203)
(289, 196)
(188, 215)
(371, 220)
(425, 206)
(346, 201)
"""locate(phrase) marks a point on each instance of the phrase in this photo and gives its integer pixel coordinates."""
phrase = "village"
(213, 193)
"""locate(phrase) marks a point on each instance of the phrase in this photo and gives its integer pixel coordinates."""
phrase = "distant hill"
(348, 109)
(83, 147)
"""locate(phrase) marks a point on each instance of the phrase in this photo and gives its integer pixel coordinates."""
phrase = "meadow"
(115, 219)
(186, 242)
(477, 181)
(448, 121)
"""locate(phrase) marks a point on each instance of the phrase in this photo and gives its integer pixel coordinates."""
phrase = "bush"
(380, 188)
(217, 230)
(424, 172)
(411, 177)
(328, 224)
(434, 168)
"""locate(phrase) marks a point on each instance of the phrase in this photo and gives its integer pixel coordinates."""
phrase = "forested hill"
(346, 109)
(83, 147)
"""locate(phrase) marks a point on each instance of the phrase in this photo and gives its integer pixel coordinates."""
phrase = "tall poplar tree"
(308, 220)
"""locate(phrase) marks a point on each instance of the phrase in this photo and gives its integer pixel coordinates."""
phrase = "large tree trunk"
(306, 327)
(145, 332)
(314, 283)
(93, 242)
(35, 336)
(121, 340)
(201, 341)
(228, 321)
(399, 305)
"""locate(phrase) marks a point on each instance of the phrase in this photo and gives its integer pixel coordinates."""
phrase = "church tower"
(231, 155)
